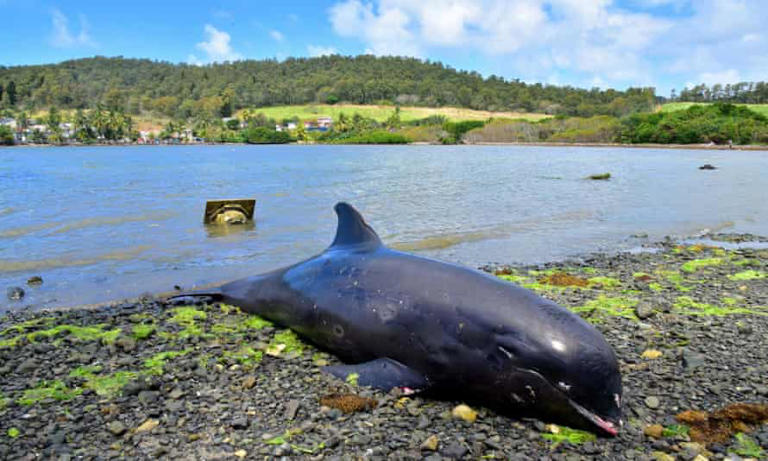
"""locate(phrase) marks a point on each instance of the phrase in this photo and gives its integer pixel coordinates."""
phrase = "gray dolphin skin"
(399, 320)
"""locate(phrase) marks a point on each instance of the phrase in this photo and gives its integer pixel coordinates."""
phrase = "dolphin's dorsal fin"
(353, 230)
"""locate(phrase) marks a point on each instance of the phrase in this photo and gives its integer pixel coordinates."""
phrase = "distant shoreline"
(749, 147)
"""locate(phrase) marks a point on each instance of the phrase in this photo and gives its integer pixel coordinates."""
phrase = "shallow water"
(104, 223)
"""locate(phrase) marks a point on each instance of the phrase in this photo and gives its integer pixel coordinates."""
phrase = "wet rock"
(464, 412)
(15, 293)
(147, 425)
(454, 451)
(692, 360)
(644, 310)
(249, 382)
(26, 366)
(744, 328)
(652, 402)
(430, 444)
(654, 430)
(291, 408)
(148, 397)
(176, 394)
(125, 343)
(116, 428)
(240, 422)
(35, 280)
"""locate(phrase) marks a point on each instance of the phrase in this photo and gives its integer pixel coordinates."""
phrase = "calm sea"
(105, 223)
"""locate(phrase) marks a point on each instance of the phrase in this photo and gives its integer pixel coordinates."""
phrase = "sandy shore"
(148, 380)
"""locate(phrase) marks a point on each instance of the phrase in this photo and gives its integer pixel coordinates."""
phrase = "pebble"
(644, 310)
(654, 430)
(652, 402)
(147, 425)
(464, 412)
(116, 428)
(430, 444)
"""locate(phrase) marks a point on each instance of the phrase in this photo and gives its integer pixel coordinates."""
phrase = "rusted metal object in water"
(234, 211)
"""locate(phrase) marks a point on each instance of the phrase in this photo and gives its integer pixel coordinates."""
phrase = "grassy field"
(381, 113)
(673, 106)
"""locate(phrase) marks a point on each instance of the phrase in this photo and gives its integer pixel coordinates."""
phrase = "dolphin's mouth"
(606, 426)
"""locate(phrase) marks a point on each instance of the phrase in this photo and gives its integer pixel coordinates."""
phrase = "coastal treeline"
(743, 92)
(182, 91)
(719, 123)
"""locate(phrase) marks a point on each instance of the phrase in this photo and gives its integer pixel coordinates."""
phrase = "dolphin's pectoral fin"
(381, 374)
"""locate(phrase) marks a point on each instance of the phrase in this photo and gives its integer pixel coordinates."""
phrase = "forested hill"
(181, 90)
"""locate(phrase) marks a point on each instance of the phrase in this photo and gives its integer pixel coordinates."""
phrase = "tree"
(11, 91)
(6, 135)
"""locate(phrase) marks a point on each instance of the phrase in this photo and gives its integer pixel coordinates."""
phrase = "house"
(321, 124)
(325, 122)
(291, 125)
(9, 122)
(67, 129)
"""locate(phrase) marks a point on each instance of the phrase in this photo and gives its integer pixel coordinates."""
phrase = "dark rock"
(125, 343)
(291, 408)
(35, 280)
(692, 360)
(707, 166)
(15, 293)
(644, 310)
(116, 428)
(240, 422)
(26, 366)
(454, 451)
(147, 397)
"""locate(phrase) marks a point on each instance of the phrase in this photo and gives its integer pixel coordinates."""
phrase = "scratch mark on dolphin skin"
(530, 391)
(509, 355)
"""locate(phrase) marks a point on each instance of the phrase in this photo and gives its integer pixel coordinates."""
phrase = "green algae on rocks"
(55, 390)
(696, 264)
(103, 385)
(90, 333)
(186, 317)
(155, 364)
(562, 434)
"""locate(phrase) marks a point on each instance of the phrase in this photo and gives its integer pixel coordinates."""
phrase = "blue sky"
(606, 43)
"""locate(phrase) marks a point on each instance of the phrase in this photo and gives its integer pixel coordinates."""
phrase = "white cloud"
(319, 50)
(216, 48)
(725, 76)
(589, 41)
(62, 37)
(276, 35)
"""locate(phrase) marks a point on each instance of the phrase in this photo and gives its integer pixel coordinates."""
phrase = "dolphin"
(400, 320)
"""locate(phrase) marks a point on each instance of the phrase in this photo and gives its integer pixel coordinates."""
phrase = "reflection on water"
(223, 230)
(105, 223)
(60, 228)
(71, 260)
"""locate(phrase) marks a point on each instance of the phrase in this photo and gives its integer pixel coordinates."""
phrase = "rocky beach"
(149, 379)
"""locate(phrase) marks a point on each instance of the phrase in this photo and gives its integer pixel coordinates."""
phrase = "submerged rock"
(15, 293)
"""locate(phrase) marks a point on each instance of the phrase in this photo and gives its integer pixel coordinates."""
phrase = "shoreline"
(747, 147)
(148, 379)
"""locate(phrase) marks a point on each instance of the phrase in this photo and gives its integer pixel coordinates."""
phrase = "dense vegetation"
(182, 91)
(717, 123)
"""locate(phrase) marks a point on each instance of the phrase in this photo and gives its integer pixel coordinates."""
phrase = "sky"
(585, 43)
